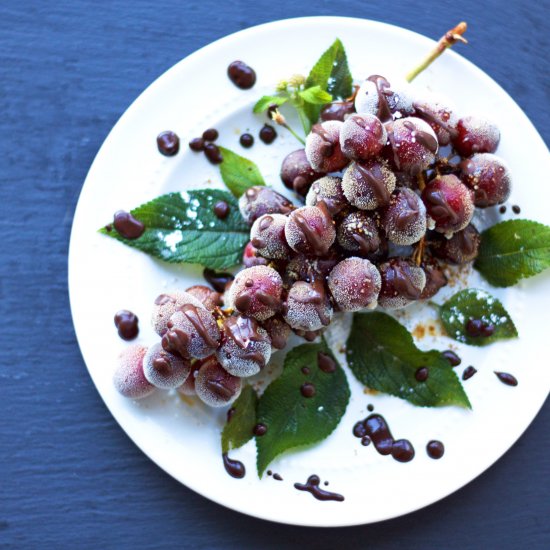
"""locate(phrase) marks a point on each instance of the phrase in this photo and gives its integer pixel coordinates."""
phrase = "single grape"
(209, 298)
(267, 236)
(359, 233)
(337, 110)
(414, 144)
(259, 200)
(278, 331)
(163, 369)
(439, 114)
(251, 256)
(354, 284)
(166, 305)
(328, 190)
(461, 248)
(129, 379)
(449, 203)
(310, 230)
(323, 147)
(435, 278)
(215, 386)
(404, 220)
(256, 292)
(489, 178)
(297, 173)
(402, 283)
(368, 185)
(475, 135)
(308, 307)
(362, 136)
(192, 333)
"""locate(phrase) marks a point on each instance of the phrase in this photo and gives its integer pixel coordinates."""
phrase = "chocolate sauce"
(218, 388)
(502, 209)
(452, 357)
(468, 372)
(327, 146)
(213, 153)
(243, 76)
(507, 378)
(311, 237)
(127, 226)
(426, 140)
(217, 280)
(277, 477)
(382, 88)
(268, 134)
(317, 297)
(260, 429)
(435, 449)
(337, 110)
(127, 324)
(399, 278)
(407, 211)
(234, 468)
(175, 341)
(246, 140)
(476, 328)
(377, 430)
(221, 210)
(312, 487)
(422, 374)
(192, 314)
(440, 208)
(516, 209)
(375, 181)
(196, 144)
(210, 135)
(325, 362)
(168, 143)
(244, 331)
(307, 389)
(305, 370)
(243, 301)
(230, 413)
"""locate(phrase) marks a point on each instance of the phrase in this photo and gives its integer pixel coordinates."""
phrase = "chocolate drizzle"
(424, 138)
(430, 116)
(383, 90)
(398, 276)
(327, 146)
(244, 331)
(312, 238)
(407, 210)
(372, 178)
(192, 314)
(234, 468)
(312, 487)
(440, 208)
(127, 226)
(317, 297)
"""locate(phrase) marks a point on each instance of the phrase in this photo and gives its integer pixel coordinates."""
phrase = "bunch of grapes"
(384, 211)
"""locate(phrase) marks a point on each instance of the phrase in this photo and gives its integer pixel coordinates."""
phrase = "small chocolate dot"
(516, 209)
(210, 135)
(307, 390)
(221, 210)
(213, 153)
(268, 134)
(468, 372)
(246, 140)
(422, 374)
(196, 144)
(168, 143)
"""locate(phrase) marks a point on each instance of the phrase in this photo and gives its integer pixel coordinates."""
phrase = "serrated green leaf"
(315, 95)
(513, 250)
(182, 228)
(382, 355)
(476, 304)
(293, 420)
(239, 429)
(330, 73)
(266, 101)
(239, 173)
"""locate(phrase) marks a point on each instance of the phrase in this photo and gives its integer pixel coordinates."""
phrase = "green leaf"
(266, 101)
(239, 429)
(182, 227)
(382, 355)
(239, 173)
(293, 420)
(315, 95)
(513, 250)
(476, 304)
(330, 73)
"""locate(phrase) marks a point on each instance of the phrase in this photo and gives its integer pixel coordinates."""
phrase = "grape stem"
(446, 41)
(418, 254)
(279, 119)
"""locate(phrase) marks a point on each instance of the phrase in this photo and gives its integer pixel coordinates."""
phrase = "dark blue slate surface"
(69, 477)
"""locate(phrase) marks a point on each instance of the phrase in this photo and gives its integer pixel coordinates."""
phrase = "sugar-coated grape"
(267, 235)
(129, 379)
(215, 386)
(166, 305)
(328, 190)
(362, 136)
(414, 144)
(358, 232)
(449, 203)
(354, 284)
(489, 178)
(310, 230)
(256, 292)
(192, 333)
(278, 331)
(368, 185)
(475, 134)
(439, 114)
(251, 256)
(402, 283)
(209, 298)
(404, 220)
(435, 278)
(259, 200)
(323, 147)
(308, 307)
(297, 173)
(164, 369)
(245, 348)
(461, 248)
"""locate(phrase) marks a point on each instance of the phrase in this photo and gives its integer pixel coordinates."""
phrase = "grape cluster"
(384, 214)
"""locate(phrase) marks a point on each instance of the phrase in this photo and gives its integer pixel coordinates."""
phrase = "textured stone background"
(69, 476)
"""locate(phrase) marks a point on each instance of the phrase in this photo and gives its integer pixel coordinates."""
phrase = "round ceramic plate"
(183, 438)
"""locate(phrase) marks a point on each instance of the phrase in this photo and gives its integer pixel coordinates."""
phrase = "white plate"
(105, 276)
